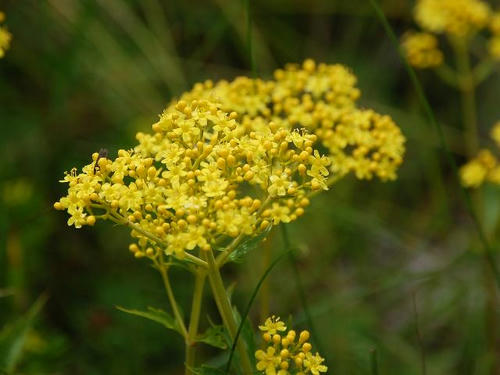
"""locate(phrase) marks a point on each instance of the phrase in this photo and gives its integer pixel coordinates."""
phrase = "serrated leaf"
(247, 245)
(214, 336)
(156, 315)
(13, 336)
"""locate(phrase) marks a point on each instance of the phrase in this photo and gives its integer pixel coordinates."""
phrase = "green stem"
(171, 298)
(225, 310)
(467, 90)
(194, 320)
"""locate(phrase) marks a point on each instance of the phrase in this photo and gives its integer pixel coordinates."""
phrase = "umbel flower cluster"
(485, 167)
(322, 99)
(199, 179)
(233, 158)
(5, 36)
(459, 20)
(286, 353)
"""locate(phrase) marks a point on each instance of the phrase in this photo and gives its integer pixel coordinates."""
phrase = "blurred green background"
(81, 75)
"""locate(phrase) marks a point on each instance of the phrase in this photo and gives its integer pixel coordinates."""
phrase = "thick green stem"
(225, 310)
(194, 320)
(469, 80)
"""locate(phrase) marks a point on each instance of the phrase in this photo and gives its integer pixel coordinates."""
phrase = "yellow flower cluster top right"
(458, 20)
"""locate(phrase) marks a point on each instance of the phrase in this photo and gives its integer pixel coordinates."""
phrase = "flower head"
(422, 50)
(273, 325)
(286, 353)
(458, 18)
(484, 167)
(200, 179)
(5, 37)
(320, 98)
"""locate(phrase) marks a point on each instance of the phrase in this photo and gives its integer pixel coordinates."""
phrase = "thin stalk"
(171, 298)
(300, 289)
(419, 337)
(488, 251)
(225, 310)
(467, 92)
(374, 362)
(194, 320)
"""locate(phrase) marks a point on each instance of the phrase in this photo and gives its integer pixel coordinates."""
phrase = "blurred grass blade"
(419, 335)
(13, 336)
(248, 19)
(250, 303)
(300, 290)
(374, 361)
(488, 253)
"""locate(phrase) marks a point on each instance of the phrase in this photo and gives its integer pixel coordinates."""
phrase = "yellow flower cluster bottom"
(198, 181)
(484, 167)
(5, 37)
(285, 353)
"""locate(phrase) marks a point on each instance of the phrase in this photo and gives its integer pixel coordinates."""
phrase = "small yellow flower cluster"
(322, 99)
(485, 167)
(286, 354)
(457, 18)
(200, 179)
(422, 50)
(5, 37)
(494, 43)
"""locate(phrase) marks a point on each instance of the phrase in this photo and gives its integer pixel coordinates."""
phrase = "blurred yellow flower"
(5, 37)
(495, 133)
(494, 47)
(422, 50)
(483, 168)
(458, 18)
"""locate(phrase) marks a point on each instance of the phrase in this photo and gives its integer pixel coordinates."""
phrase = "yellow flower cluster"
(322, 99)
(485, 167)
(494, 42)
(285, 353)
(200, 179)
(422, 50)
(5, 37)
(457, 18)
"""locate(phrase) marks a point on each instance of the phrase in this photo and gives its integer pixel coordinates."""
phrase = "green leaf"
(247, 245)
(247, 334)
(13, 336)
(207, 370)
(156, 315)
(491, 207)
(214, 336)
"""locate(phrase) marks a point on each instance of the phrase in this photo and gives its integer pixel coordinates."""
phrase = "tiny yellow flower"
(313, 363)
(282, 353)
(268, 361)
(273, 325)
